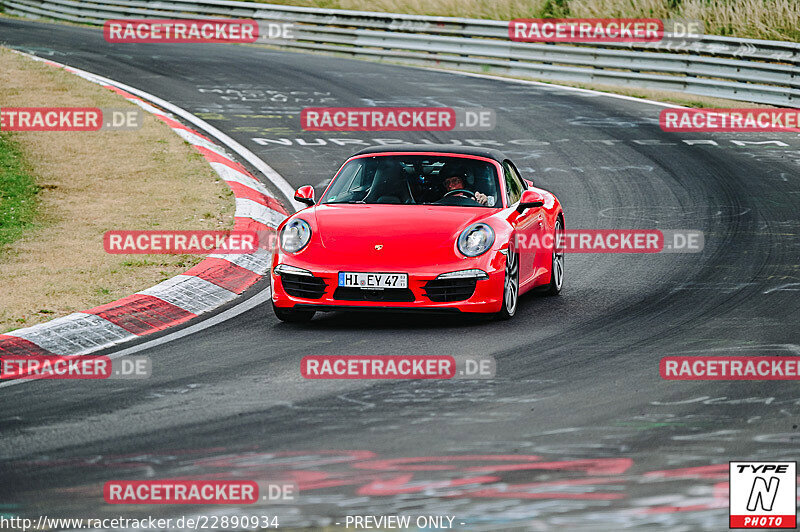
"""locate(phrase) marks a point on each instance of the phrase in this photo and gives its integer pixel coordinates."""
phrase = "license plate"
(373, 281)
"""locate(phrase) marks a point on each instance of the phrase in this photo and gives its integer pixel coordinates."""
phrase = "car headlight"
(295, 235)
(465, 274)
(281, 269)
(475, 240)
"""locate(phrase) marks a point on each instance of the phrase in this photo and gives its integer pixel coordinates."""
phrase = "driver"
(456, 182)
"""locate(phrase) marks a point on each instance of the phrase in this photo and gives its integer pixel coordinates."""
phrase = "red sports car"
(419, 227)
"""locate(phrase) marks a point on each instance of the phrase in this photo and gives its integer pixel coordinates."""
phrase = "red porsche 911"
(418, 227)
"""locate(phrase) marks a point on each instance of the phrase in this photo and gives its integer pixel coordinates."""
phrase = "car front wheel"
(557, 267)
(510, 286)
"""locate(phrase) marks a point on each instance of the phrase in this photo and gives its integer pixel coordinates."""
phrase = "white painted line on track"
(190, 293)
(75, 334)
(260, 298)
(248, 208)
(74, 331)
(553, 85)
(255, 262)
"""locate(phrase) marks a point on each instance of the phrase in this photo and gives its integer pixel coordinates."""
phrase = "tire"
(510, 287)
(557, 264)
(290, 315)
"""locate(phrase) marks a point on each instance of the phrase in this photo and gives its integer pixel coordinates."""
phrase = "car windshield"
(416, 180)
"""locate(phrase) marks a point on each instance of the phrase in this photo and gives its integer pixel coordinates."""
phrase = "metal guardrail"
(739, 69)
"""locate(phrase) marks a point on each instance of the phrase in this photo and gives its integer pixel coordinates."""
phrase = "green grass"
(757, 19)
(17, 192)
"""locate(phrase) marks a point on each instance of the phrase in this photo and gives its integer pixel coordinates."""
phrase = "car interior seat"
(389, 185)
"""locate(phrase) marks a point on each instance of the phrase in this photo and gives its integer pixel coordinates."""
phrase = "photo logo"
(763, 495)
(275, 31)
(378, 367)
(681, 34)
(69, 119)
(730, 120)
(613, 241)
(74, 367)
(398, 367)
(55, 367)
(397, 119)
(181, 492)
(180, 242)
(586, 30)
(725, 368)
(180, 31)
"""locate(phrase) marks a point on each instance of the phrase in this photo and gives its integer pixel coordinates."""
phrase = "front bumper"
(322, 293)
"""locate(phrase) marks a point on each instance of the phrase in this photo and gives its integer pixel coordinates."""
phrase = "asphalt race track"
(578, 430)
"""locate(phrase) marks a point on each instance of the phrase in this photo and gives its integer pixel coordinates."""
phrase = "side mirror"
(529, 182)
(529, 200)
(305, 195)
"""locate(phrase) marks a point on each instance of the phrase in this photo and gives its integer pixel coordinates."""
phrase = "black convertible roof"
(437, 148)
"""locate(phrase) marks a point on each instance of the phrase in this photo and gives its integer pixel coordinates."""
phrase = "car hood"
(404, 233)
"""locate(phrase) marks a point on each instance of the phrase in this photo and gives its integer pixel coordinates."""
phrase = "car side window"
(514, 184)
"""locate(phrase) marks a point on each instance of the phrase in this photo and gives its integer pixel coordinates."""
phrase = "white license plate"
(374, 281)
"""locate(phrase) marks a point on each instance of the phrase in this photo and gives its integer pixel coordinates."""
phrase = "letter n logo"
(763, 494)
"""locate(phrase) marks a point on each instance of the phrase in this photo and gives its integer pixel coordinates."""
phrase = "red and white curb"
(216, 280)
